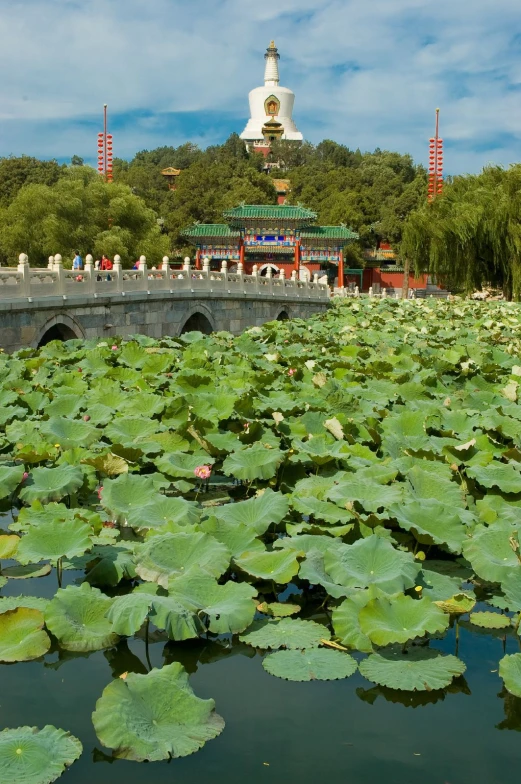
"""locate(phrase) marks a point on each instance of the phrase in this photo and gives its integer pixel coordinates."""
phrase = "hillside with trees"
(468, 238)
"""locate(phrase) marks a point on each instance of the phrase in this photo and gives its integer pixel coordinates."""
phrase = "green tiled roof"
(210, 230)
(278, 212)
(329, 233)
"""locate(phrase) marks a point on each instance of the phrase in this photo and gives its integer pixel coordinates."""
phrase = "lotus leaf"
(21, 635)
(27, 572)
(315, 664)
(346, 623)
(420, 669)
(69, 433)
(10, 478)
(401, 618)
(230, 608)
(155, 716)
(170, 555)
(54, 540)
(433, 519)
(506, 477)
(255, 462)
(122, 496)
(291, 633)
(162, 510)
(109, 564)
(65, 406)
(490, 552)
(321, 510)
(279, 609)
(490, 620)
(32, 756)
(77, 618)
(128, 613)
(108, 464)
(279, 566)
(180, 465)
(312, 569)
(429, 485)
(52, 484)
(371, 561)
(30, 602)
(258, 513)
(459, 604)
(370, 495)
(511, 588)
(510, 671)
(236, 538)
(8, 546)
(132, 431)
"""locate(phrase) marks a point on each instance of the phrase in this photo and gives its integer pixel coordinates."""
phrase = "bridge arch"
(283, 315)
(263, 269)
(59, 327)
(198, 318)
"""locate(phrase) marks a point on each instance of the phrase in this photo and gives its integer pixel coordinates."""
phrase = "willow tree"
(471, 236)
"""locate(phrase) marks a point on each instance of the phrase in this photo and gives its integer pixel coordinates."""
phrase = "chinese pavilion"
(282, 237)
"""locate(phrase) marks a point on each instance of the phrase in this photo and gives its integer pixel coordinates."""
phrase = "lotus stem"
(147, 652)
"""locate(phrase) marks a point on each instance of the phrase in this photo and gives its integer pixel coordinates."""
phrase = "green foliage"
(469, 237)
(79, 211)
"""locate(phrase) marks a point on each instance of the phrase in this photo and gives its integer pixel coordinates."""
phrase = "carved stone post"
(206, 265)
(224, 267)
(50, 264)
(90, 281)
(118, 272)
(294, 275)
(269, 273)
(255, 271)
(60, 278)
(357, 291)
(384, 293)
(282, 274)
(186, 265)
(25, 272)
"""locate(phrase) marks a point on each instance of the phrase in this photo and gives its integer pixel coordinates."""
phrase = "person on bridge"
(106, 263)
(77, 263)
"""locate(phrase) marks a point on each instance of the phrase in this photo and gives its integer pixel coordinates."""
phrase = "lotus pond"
(295, 552)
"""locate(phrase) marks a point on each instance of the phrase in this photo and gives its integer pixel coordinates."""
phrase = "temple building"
(271, 109)
(280, 237)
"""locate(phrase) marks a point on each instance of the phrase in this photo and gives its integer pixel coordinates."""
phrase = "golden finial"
(272, 45)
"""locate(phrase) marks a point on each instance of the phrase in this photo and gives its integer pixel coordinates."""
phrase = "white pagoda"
(271, 108)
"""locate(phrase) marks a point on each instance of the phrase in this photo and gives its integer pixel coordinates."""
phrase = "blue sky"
(367, 73)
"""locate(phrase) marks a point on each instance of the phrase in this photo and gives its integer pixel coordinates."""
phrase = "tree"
(17, 172)
(77, 161)
(471, 236)
(81, 211)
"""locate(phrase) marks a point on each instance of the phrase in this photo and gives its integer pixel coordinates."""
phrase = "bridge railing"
(29, 283)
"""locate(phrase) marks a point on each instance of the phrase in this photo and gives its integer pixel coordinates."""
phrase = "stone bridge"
(40, 305)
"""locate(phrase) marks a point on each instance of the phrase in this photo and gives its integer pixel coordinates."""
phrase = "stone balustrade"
(34, 284)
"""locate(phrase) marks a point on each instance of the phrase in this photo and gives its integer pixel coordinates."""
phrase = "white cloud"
(64, 59)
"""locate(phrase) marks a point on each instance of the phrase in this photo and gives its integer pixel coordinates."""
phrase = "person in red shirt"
(106, 263)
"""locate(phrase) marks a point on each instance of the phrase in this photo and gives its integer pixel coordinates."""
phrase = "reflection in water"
(193, 653)
(413, 699)
(121, 659)
(512, 706)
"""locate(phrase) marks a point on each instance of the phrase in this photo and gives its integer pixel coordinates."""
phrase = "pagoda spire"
(271, 74)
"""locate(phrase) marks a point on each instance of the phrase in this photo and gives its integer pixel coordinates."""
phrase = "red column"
(241, 252)
(198, 259)
(341, 271)
(297, 255)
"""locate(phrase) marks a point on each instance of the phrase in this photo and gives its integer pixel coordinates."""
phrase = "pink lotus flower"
(99, 492)
(79, 278)
(114, 348)
(291, 372)
(25, 476)
(203, 472)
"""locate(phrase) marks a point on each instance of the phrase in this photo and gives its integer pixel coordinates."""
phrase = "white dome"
(281, 108)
